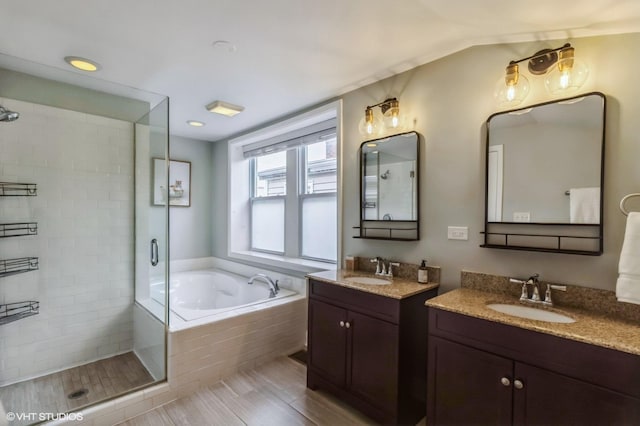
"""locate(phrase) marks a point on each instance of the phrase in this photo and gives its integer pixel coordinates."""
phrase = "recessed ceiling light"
(224, 108)
(195, 123)
(83, 64)
(372, 145)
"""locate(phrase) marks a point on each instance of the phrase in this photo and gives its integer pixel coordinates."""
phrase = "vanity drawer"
(381, 307)
(619, 371)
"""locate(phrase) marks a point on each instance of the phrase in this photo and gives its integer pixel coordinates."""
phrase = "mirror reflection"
(390, 178)
(544, 163)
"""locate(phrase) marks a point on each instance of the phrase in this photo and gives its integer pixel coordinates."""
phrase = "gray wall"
(190, 227)
(448, 102)
(220, 211)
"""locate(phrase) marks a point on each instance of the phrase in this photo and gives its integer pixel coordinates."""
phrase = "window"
(268, 176)
(319, 202)
(307, 214)
(283, 192)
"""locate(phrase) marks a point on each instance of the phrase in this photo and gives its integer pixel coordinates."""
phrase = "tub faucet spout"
(273, 285)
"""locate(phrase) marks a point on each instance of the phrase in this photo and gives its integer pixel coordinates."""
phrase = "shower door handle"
(154, 252)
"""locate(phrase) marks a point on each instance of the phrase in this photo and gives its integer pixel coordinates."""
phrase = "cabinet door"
(328, 341)
(373, 374)
(465, 385)
(548, 398)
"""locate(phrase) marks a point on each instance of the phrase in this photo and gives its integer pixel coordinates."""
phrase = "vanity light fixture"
(564, 74)
(82, 64)
(224, 108)
(370, 125)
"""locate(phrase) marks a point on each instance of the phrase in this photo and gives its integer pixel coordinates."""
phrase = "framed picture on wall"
(179, 191)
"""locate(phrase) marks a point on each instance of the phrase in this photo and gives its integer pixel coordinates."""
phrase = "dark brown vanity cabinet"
(485, 373)
(369, 350)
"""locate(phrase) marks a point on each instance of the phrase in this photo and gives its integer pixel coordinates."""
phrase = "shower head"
(6, 115)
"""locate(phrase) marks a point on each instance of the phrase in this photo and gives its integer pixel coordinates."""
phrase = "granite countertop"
(590, 327)
(398, 289)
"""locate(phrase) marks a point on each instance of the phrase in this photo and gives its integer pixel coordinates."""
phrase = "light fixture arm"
(542, 60)
(384, 105)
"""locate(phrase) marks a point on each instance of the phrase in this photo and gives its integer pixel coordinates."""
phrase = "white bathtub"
(197, 294)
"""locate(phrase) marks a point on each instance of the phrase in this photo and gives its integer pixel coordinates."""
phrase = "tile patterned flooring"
(271, 394)
(48, 394)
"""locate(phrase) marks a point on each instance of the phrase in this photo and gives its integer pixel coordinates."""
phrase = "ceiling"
(289, 54)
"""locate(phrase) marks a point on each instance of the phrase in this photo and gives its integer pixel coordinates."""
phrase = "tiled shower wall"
(83, 166)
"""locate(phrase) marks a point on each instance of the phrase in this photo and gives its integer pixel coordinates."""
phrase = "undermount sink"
(367, 280)
(530, 313)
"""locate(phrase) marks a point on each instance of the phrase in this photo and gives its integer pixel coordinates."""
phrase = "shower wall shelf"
(17, 266)
(14, 311)
(12, 189)
(18, 229)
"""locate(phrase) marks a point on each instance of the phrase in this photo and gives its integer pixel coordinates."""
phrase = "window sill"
(296, 264)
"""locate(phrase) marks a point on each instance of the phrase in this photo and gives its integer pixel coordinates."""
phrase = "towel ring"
(624, 199)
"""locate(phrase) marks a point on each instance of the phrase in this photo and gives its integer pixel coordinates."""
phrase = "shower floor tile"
(50, 394)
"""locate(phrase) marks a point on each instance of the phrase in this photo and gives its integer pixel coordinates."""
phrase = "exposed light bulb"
(369, 124)
(568, 76)
(512, 89)
(392, 117)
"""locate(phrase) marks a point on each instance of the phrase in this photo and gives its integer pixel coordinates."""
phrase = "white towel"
(628, 285)
(584, 205)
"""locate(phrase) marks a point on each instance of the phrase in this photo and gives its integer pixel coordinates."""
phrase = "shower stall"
(80, 239)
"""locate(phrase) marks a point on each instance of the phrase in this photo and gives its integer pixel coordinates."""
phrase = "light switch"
(458, 233)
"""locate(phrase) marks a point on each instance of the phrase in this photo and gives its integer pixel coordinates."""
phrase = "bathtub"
(194, 295)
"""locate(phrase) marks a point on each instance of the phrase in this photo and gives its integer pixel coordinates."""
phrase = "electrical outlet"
(521, 217)
(458, 233)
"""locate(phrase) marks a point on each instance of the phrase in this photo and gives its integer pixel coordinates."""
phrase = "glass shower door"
(152, 239)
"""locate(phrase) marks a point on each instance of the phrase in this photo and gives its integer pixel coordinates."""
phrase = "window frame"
(296, 165)
(238, 206)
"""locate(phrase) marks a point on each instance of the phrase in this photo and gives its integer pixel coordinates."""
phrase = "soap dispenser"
(423, 273)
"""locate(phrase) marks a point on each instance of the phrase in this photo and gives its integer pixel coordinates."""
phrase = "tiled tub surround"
(83, 167)
(205, 350)
(598, 321)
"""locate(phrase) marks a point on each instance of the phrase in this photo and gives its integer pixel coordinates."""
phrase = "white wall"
(447, 102)
(83, 166)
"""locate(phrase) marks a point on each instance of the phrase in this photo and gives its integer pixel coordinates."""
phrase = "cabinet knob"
(341, 323)
(505, 381)
(347, 325)
(518, 384)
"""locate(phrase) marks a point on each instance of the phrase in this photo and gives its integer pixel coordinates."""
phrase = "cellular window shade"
(304, 136)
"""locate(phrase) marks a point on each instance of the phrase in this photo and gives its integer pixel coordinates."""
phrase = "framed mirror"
(389, 187)
(544, 176)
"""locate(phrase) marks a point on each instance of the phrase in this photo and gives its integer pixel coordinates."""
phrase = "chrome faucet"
(382, 269)
(535, 297)
(379, 265)
(532, 280)
(273, 285)
(390, 269)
